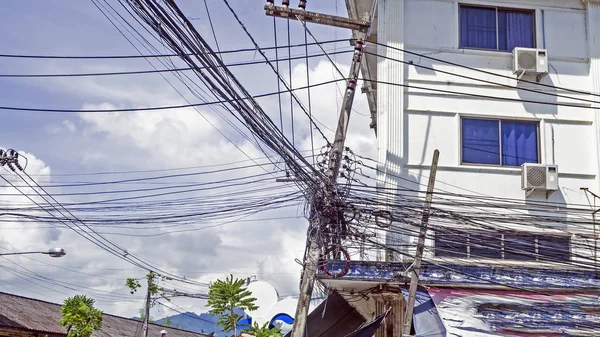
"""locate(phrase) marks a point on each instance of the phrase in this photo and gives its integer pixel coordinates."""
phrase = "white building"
(482, 123)
(443, 77)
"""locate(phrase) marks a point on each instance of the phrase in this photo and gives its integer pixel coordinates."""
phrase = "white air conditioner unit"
(530, 61)
(539, 177)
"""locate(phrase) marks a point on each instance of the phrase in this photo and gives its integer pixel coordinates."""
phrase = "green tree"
(80, 317)
(152, 279)
(143, 316)
(224, 297)
(154, 289)
(167, 321)
(264, 331)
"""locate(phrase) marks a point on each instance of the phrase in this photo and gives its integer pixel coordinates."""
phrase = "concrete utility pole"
(312, 259)
(414, 281)
(147, 315)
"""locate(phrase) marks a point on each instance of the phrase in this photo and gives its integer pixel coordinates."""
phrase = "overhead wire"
(190, 42)
(155, 108)
(483, 71)
(142, 56)
(181, 79)
(154, 71)
(288, 88)
(290, 70)
(89, 234)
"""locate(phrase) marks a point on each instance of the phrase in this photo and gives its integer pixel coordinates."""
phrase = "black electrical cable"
(479, 79)
(139, 72)
(217, 82)
(484, 71)
(151, 108)
(75, 57)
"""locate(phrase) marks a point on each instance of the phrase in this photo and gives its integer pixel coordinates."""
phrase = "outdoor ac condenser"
(539, 177)
(530, 61)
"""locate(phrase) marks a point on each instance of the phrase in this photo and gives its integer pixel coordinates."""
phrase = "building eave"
(363, 274)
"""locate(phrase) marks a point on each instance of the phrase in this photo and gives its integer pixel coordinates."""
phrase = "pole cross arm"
(323, 19)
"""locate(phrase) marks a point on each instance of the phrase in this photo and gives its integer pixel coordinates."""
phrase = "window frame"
(538, 256)
(496, 8)
(499, 120)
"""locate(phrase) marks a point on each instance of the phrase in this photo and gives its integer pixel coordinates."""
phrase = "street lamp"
(163, 333)
(54, 252)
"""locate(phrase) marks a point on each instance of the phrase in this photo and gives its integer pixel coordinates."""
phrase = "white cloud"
(69, 125)
(169, 139)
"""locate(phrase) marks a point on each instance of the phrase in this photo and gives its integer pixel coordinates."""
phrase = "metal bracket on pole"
(414, 281)
(323, 19)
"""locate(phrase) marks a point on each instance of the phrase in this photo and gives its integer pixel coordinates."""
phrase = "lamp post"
(54, 252)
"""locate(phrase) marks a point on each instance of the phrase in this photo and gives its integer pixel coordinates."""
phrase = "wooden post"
(414, 281)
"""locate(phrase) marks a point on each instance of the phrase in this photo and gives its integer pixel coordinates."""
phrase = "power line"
(155, 108)
(483, 71)
(139, 72)
(75, 57)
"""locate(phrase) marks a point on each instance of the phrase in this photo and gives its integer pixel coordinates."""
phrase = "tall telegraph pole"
(311, 260)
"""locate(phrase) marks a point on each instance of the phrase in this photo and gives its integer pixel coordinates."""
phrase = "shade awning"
(426, 319)
(335, 317)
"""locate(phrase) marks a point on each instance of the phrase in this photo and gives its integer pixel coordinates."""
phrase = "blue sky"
(58, 143)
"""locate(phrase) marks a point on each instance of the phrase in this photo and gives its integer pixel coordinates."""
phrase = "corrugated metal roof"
(24, 313)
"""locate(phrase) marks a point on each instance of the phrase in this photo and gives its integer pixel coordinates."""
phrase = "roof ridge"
(103, 313)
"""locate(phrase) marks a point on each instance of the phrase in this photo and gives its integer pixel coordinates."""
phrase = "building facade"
(466, 101)
(501, 257)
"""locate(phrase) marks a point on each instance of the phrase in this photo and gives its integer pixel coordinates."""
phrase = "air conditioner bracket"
(540, 76)
(548, 193)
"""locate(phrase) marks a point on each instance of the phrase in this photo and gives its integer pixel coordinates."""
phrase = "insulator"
(11, 154)
(352, 84)
(285, 3)
(359, 45)
(271, 2)
(12, 168)
(19, 166)
(302, 4)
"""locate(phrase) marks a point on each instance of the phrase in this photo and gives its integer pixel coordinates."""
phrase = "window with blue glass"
(499, 142)
(496, 28)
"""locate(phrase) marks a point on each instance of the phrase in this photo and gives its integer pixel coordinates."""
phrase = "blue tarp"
(426, 320)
